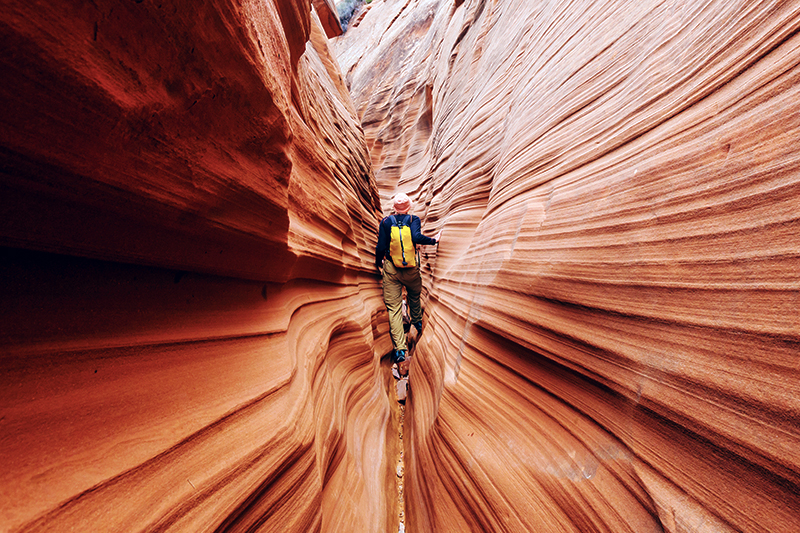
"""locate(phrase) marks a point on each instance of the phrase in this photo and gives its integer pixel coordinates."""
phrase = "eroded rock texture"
(612, 336)
(190, 327)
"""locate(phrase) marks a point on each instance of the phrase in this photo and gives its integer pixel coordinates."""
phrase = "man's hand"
(439, 236)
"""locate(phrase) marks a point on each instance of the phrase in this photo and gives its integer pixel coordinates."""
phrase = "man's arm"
(383, 244)
(416, 233)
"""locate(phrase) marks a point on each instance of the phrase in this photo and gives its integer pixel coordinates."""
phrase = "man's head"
(401, 203)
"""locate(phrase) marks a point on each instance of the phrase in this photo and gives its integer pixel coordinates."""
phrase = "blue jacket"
(385, 234)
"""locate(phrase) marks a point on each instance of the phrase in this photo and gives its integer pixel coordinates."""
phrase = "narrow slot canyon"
(193, 335)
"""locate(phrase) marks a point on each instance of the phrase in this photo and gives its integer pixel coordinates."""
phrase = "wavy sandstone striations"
(612, 329)
(192, 335)
(191, 331)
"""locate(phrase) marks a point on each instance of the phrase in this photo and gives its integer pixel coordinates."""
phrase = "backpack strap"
(407, 221)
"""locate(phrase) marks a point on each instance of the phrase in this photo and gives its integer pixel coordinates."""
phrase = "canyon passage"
(193, 334)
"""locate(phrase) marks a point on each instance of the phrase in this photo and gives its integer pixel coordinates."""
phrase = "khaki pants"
(394, 279)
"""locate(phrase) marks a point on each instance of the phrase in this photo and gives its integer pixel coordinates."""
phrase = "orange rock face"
(329, 17)
(612, 330)
(191, 329)
(191, 332)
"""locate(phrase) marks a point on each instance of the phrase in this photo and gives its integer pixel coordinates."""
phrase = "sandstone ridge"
(613, 335)
(191, 329)
(193, 337)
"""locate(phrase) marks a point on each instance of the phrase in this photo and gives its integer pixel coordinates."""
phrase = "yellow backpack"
(401, 247)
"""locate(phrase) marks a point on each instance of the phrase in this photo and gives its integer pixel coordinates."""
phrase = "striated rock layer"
(191, 331)
(612, 332)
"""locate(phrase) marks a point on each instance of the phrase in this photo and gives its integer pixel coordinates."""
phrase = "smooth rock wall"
(191, 331)
(612, 332)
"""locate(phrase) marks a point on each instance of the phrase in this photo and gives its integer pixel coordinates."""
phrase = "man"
(397, 277)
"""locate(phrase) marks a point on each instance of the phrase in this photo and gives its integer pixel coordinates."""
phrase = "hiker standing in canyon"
(396, 259)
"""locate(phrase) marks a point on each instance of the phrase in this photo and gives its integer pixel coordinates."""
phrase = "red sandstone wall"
(329, 17)
(191, 335)
(190, 327)
(612, 327)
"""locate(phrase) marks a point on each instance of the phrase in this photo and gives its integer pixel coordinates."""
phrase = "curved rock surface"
(612, 328)
(192, 333)
(191, 330)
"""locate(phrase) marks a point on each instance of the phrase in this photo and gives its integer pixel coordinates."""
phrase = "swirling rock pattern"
(612, 334)
(191, 331)
(191, 335)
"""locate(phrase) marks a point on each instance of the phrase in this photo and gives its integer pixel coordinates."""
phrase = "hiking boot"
(418, 325)
(399, 356)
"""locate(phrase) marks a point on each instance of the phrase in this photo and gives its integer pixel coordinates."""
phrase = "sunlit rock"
(192, 331)
(612, 327)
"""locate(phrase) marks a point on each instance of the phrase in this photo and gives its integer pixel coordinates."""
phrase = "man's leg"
(393, 298)
(413, 282)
